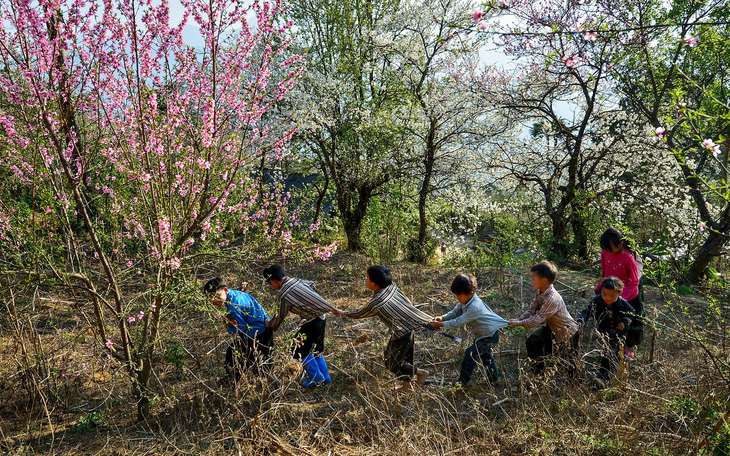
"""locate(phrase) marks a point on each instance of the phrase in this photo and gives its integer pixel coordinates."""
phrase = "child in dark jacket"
(613, 315)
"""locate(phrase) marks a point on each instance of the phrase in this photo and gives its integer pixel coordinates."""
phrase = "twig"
(340, 370)
(714, 430)
(213, 349)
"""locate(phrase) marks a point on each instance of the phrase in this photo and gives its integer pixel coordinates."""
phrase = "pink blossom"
(141, 315)
(708, 144)
(572, 61)
(660, 132)
(590, 36)
(692, 41)
(482, 25)
(502, 3)
(716, 151)
(703, 226)
(109, 343)
(477, 15)
(130, 320)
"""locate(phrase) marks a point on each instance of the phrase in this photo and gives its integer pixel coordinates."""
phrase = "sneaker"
(598, 382)
(629, 354)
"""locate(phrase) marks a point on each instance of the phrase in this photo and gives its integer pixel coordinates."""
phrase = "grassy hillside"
(668, 401)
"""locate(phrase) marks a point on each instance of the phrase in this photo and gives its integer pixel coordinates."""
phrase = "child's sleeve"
(632, 272)
(251, 311)
(370, 310)
(232, 313)
(530, 311)
(585, 315)
(280, 315)
(627, 317)
(534, 320)
(464, 317)
(455, 312)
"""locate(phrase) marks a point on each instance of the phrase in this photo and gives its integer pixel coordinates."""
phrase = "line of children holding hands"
(614, 316)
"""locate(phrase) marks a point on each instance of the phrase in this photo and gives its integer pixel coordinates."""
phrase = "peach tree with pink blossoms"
(133, 151)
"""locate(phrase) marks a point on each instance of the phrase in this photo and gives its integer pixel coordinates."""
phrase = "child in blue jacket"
(246, 318)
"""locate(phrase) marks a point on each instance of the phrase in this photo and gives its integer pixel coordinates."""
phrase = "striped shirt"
(550, 307)
(395, 310)
(299, 297)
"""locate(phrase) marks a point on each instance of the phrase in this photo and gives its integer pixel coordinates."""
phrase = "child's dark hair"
(380, 276)
(214, 285)
(274, 272)
(464, 284)
(546, 269)
(615, 237)
(612, 283)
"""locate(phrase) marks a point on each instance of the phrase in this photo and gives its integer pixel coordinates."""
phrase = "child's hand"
(267, 323)
(337, 311)
(231, 321)
(620, 326)
(435, 324)
(438, 318)
(513, 323)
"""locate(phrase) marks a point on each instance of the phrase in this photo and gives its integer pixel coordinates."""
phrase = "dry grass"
(76, 401)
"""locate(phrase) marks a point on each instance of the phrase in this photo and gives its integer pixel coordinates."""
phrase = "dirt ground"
(667, 401)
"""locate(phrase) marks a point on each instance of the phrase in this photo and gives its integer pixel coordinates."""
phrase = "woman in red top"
(619, 260)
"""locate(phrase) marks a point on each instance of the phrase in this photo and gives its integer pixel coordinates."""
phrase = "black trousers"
(246, 352)
(310, 337)
(635, 332)
(481, 350)
(610, 355)
(399, 356)
(542, 344)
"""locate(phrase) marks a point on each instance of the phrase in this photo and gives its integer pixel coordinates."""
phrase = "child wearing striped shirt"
(396, 311)
(300, 297)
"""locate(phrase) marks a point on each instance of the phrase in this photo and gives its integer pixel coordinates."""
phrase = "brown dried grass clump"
(76, 400)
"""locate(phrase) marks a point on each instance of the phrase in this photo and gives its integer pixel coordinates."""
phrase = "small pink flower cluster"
(692, 41)
(572, 61)
(711, 146)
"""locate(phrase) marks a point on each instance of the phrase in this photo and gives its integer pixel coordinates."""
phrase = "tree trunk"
(580, 233)
(353, 217)
(143, 402)
(152, 326)
(353, 231)
(428, 162)
(561, 237)
(320, 196)
(710, 249)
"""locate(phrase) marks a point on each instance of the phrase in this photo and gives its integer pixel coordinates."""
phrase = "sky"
(490, 54)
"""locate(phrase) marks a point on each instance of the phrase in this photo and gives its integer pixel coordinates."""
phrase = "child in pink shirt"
(619, 260)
